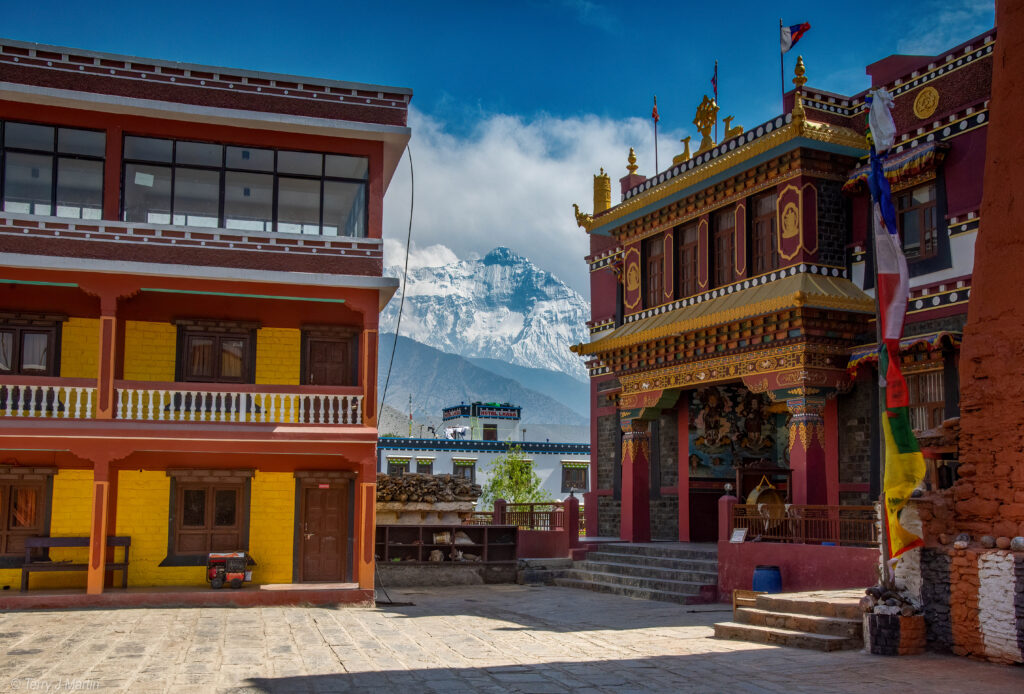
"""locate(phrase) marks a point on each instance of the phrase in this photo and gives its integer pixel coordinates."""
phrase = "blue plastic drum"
(767, 579)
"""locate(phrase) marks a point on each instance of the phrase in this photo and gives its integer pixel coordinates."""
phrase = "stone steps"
(640, 582)
(645, 571)
(708, 553)
(629, 592)
(823, 621)
(705, 565)
(735, 631)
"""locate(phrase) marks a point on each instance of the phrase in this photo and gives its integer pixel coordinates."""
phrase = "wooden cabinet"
(407, 544)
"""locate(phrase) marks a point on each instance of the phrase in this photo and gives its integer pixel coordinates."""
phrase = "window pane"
(910, 225)
(308, 163)
(79, 188)
(24, 507)
(232, 357)
(193, 511)
(91, 143)
(28, 136)
(199, 153)
(196, 197)
(200, 357)
(248, 201)
(224, 506)
(34, 348)
(347, 167)
(344, 209)
(298, 205)
(6, 350)
(28, 182)
(148, 149)
(250, 158)
(147, 194)
(923, 194)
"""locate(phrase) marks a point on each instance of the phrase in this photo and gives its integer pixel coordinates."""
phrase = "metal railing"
(41, 397)
(853, 526)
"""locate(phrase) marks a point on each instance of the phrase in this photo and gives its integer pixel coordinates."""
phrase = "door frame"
(311, 480)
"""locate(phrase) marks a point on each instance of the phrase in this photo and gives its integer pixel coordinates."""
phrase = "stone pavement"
(454, 639)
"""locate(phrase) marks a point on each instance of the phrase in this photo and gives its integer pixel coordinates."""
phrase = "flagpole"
(656, 169)
(782, 70)
(716, 100)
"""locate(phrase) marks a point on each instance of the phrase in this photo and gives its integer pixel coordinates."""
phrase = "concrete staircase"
(821, 621)
(672, 572)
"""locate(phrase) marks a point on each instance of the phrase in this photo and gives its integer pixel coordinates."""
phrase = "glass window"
(225, 505)
(79, 188)
(250, 159)
(308, 163)
(687, 270)
(35, 347)
(399, 467)
(28, 136)
(466, 471)
(210, 518)
(425, 467)
(298, 205)
(248, 201)
(232, 358)
(200, 356)
(193, 511)
(340, 166)
(148, 149)
(28, 350)
(215, 357)
(22, 514)
(917, 222)
(654, 271)
(344, 209)
(6, 350)
(927, 399)
(90, 143)
(196, 197)
(28, 183)
(199, 154)
(574, 479)
(725, 224)
(147, 193)
(764, 242)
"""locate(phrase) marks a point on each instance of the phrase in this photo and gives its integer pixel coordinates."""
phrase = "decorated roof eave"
(846, 300)
(793, 135)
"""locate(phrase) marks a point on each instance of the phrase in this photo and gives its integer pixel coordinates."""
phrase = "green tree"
(512, 478)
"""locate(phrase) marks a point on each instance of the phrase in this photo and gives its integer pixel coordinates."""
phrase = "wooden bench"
(31, 564)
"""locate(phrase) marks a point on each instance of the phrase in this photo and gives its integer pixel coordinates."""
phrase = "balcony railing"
(43, 397)
(546, 516)
(205, 402)
(840, 525)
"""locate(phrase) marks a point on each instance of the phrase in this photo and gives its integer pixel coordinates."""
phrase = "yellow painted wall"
(272, 526)
(149, 351)
(80, 348)
(70, 516)
(277, 356)
(143, 501)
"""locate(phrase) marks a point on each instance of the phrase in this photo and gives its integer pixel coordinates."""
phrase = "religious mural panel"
(733, 426)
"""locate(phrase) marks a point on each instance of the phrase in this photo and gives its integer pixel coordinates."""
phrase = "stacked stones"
(893, 623)
(428, 489)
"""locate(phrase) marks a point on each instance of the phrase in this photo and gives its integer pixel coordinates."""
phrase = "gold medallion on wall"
(790, 221)
(633, 277)
(926, 103)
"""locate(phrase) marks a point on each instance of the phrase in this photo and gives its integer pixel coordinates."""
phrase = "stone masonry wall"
(832, 223)
(608, 516)
(607, 450)
(855, 439)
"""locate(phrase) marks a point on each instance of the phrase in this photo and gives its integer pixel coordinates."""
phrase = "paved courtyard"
(465, 639)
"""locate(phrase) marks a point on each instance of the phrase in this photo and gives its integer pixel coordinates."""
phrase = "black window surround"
(224, 180)
(225, 339)
(574, 478)
(64, 168)
(19, 339)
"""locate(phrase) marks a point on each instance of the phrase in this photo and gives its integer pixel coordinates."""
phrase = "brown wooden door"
(324, 532)
(328, 363)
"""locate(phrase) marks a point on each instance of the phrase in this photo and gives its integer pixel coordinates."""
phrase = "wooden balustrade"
(544, 516)
(854, 526)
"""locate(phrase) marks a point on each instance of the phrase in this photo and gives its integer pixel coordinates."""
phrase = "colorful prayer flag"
(792, 34)
(654, 111)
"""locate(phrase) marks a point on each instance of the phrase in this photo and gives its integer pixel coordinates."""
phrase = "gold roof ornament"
(800, 80)
(602, 192)
(631, 166)
(685, 156)
(730, 130)
(705, 119)
(583, 220)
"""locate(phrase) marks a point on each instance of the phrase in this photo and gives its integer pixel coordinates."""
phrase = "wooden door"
(323, 535)
(327, 363)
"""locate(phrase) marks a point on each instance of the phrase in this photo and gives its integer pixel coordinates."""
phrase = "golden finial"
(799, 80)
(631, 166)
(583, 220)
(685, 156)
(707, 115)
(602, 192)
(730, 131)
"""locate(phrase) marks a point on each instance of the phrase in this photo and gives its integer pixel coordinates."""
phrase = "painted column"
(108, 357)
(807, 449)
(98, 528)
(366, 518)
(832, 450)
(635, 523)
(369, 376)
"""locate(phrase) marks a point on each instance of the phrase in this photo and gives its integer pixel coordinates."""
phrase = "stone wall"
(608, 451)
(669, 449)
(665, 518)
(854, 414)
(608, 516)
(832, 223)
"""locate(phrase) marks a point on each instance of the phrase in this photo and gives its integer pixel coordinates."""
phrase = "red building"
(190, 284)
(732, 335)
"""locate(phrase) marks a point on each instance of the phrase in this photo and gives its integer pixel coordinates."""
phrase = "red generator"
(227, 567)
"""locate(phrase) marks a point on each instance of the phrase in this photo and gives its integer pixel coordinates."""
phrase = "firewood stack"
(429, 489)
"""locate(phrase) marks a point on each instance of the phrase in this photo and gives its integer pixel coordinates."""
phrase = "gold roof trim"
(795, 291)
(821, 132)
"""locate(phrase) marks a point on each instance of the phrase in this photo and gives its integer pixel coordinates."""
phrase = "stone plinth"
(422, 513)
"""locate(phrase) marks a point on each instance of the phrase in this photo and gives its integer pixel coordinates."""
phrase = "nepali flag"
(654, 111)
(792, 34)
(904, 463)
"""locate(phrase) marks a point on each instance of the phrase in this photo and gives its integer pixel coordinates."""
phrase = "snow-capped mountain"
(500, 306)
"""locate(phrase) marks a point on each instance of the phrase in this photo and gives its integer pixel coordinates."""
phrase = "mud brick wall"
(608, 516)
(854, 414)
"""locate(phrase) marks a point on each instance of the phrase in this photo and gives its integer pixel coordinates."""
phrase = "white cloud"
(511, 182)
(942, 25)
(429, 256)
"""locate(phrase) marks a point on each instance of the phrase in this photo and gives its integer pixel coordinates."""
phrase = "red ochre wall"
(802, 567)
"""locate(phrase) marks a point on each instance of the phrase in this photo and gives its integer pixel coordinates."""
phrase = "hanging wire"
(405, 280)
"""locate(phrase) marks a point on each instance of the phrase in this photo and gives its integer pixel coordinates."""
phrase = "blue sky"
(537, 92)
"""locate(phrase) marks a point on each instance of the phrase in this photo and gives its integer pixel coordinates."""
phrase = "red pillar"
(572, 521)
(108, 357)
(683, 467)
(499, 511)
(98, 528)
(725, 504)
(635, 524)
(366, 523)
(807, 450)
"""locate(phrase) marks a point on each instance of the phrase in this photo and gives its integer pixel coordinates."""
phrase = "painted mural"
(733, 426)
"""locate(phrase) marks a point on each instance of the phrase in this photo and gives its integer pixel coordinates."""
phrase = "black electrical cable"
(405, 279)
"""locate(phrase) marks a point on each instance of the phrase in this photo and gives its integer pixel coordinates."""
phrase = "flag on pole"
(654, 111)
(904, 463)
(714, 81)
(792, 34)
